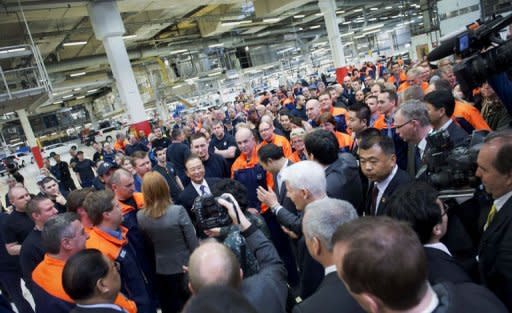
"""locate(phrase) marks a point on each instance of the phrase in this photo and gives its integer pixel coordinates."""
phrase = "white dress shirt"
(197, 187)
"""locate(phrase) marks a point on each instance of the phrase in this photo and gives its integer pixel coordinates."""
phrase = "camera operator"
(440, 106)
(213, 263)
(495, 249)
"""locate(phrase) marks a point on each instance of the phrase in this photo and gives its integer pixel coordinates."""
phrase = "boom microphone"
(446, 48)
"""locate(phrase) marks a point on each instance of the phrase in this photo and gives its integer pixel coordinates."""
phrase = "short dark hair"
(55, 229)
(384, 142)
(33, 204)
(441, 99)
(218, 299)
(46, 180)
(197, 136)
(325, 93)
(326, 117)
(234, 187)
(416, 204)
(323, 145)
(97, 203)
(442, 84)
(383, 257)
(191, 157)
(175, 133)
(81, 273)
(362, 111)
(159, 148)
(502, 162)
(270, 151)
(369, 132)
(75, 198)
(138, 155)
(392, 95)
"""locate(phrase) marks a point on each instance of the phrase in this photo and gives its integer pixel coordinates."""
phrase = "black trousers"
(172, 292)
(11, 284)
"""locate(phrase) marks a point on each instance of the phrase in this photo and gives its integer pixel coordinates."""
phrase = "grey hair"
(415, 109)
(306, 175)
(323, 217)
(57, 228)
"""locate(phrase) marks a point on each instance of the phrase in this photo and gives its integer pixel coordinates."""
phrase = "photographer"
(214, 264)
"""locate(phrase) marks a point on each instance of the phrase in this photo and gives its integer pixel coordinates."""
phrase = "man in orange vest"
(268, 136)
(340, 114)
(397, 75)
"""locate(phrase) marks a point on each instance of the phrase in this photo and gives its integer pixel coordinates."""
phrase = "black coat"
(495, 254)
(331, 297)
(442, 267)
(343, 181)
(94, 310)
(189, 194)
(401, 178)
(467, 298)
(457, 134)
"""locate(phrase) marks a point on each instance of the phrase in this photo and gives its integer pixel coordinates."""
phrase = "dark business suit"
(457, 134)
(331, 297)
(495, 254)
(189, 194)
(401, 178)
(95, 310)
(443, 267)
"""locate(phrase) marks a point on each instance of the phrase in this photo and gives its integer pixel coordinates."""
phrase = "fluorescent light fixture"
(340, 12)
(372, 32)
(299, 16)
(216, 45)
(346, 34)
(80, 97)
(13, 50)
(314, 27)
(58, 102)
(319, 14)
(389, 8)
(346, 22)
(166, 62)
(374, 9)
(300, 28)
(177, 86)
(372, 27)
(74, 43)
(92, 90)
(77, 74)
(178, 51)
(360, 36)
(130, 36)
(373, 19)
(67, 97)
(77, 89)
(265, 34)
(235, 23)
(271, 20)
(358, 10)
(215, 74)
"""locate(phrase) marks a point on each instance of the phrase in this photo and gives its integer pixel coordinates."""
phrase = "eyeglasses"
(400, 126)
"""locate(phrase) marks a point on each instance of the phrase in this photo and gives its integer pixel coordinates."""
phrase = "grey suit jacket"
(173, 237)
(266, 290)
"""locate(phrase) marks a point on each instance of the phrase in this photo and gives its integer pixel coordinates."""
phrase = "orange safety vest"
(139, 200)
(48, 275)
(279, 141)
(470, 114)
(405, 85)
(380, 122)
(344, 141)
(402, 76)
(119, 146)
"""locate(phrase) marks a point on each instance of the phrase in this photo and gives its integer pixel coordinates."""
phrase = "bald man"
(214, 264)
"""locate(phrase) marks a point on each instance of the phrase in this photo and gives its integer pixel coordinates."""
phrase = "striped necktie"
(490, 216)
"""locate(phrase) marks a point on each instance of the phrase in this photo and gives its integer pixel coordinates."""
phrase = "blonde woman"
(173, 236)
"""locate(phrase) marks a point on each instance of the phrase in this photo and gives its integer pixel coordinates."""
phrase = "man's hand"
(244, 222)
(268, 197)
(290, 233)
(307, 127)
(60, 199)
(212, 232)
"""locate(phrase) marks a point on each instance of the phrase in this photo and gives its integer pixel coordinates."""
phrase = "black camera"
(209, 213)
(450, 166)
(476, 67)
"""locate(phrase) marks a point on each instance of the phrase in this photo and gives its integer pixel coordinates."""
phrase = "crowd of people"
(327, 188)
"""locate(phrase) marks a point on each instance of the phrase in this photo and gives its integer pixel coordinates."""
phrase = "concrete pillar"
(90, 110)
(162, 112)
(31, 139)
(328, 8)
(108, 27)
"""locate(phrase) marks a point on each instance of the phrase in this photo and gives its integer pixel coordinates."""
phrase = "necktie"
(490, 216)
(203, 189)
(375, 194)
(389, 122)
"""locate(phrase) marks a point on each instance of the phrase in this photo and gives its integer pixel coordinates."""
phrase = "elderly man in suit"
(214, 264)
(495, 249)
(378, 163)
(319, 224)
(198, 186)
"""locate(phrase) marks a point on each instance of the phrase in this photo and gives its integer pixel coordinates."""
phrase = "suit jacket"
(495, 255)
(331, 297)
(266, 290)
(401, 178)
(189, 194)
(457, 134)
(343, 181)
(442, 267)
(95, 310)
(289, 217)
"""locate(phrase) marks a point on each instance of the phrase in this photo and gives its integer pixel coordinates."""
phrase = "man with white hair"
(318, 226)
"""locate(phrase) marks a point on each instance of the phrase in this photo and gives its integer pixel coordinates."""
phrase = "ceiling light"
(67, 97)
(166, 62)
(358, 10)
(80, 97)
(319, 14)
(372, 27)
(300, 28)
(215, 73)
(177, 86)
(92, 90)
(13, 50)
(373, 19)
(389, 8)
(374, 9)
(271, 20)
(346, 34)
(235, 23)
(74, 43)
(346, 22)
(340, 12)
(130, 36)
(216, 45)
(360, 36)
(77, 74)
(178, 51)
(314, 27)
(299, 16)
(77, 89)
(58, 102)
